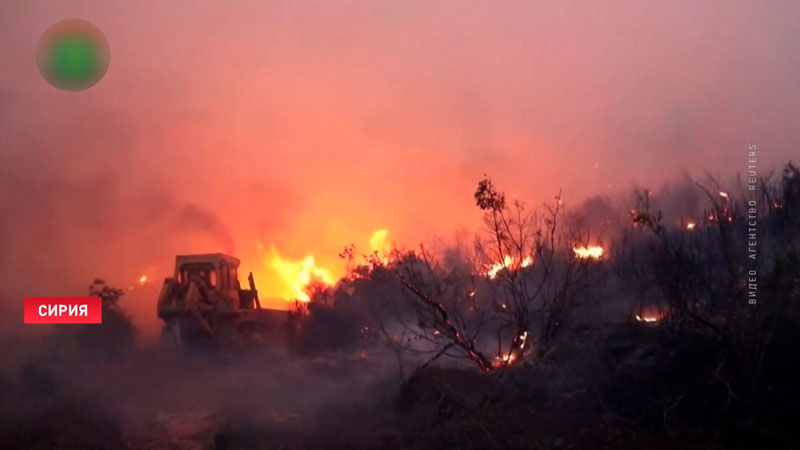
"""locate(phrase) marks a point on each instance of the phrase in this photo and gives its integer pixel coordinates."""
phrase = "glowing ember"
(143, 280)
(723, 194)
(592, 251)
(508, 263)
(691, 226)
(300, 277)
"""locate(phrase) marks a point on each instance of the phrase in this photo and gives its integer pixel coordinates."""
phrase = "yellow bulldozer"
(203, 304)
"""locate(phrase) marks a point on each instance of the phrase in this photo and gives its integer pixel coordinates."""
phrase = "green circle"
(73, 55)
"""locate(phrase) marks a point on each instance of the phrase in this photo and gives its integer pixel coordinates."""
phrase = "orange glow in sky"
(307, 126)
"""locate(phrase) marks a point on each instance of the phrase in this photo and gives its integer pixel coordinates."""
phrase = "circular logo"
(73, 55)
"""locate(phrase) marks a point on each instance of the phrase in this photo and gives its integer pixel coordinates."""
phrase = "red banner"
(63, 310)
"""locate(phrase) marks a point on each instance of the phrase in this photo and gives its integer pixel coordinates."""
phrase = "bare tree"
(535, 274)
(524, 275)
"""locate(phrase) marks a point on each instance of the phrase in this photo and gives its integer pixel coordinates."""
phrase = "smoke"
(317, 125)
(60, 228)
(153, 396)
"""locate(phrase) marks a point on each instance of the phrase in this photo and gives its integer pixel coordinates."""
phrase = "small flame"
(497, 267)
(508, 358)
(723, 194)
(508, 263)
(648, 319)
(691, 226)
(649, 316)
(504, 360)
(143, 280)
(592, 251)
(527, 261)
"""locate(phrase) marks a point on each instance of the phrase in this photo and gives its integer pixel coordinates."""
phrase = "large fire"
(592, 251)
(300, 277)
(508, 263)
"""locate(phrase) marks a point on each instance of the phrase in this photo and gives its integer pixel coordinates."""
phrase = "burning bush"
(486, 307)
(702, 274)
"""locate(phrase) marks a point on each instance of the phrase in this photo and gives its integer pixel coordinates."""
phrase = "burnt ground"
(626, 386)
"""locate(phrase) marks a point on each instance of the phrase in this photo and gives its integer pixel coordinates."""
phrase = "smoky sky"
(307, 125)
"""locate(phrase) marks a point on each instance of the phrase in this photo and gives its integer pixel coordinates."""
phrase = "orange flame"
(649, 316)
(299, 277)
(508, 263)
(592, 251)
(508, 358)
(504, 359)
(380, 245)
(691, 226)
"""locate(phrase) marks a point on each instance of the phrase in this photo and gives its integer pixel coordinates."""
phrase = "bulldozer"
(203, 304)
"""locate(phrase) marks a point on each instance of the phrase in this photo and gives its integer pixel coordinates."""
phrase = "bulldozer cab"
(203, 302)
(206, 284)
(217, 272)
